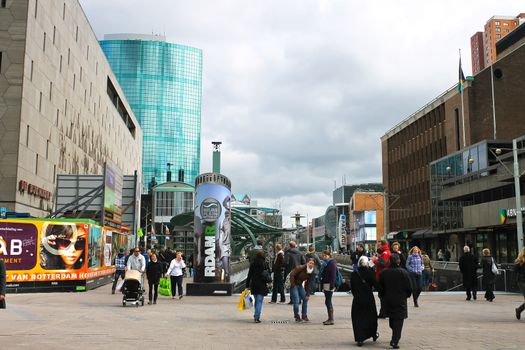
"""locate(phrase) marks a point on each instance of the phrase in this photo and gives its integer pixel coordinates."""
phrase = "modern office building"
(162, 82)
(62, 110)
(483, 44)
(436, 130)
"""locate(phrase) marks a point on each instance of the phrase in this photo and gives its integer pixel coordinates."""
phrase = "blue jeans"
(258, 306)
(298, 293)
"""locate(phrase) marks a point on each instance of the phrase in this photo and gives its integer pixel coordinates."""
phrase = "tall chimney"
(216, 168)
(168, 175)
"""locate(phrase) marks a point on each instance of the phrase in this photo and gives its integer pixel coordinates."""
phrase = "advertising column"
(212, 230)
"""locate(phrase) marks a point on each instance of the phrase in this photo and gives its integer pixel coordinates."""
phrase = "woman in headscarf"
(364, 312)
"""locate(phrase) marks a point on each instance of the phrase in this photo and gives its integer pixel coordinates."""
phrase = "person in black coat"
(2, 284)
(468, 266)
(364, 312)
(394, 289)
(257, 281)
(154, 271)
(489, 278)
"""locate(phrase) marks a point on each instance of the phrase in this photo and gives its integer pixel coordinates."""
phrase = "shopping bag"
(249, 300)
(241, 305)
(165, 286)
(119, 285)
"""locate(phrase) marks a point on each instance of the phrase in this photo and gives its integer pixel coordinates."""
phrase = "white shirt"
(175, 268)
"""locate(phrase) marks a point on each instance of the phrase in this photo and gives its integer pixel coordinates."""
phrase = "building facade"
(162, 82)
(436, 130)
(366, 219)
(62, 110)
(477, 53)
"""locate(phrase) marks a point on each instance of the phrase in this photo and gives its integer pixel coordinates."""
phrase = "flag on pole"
(140, 233)
(461, 77)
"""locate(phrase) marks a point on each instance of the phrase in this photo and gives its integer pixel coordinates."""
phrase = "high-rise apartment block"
(484, 52)
(162, 82)
(62, 110)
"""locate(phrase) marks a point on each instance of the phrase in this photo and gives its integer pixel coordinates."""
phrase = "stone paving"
(97, 320)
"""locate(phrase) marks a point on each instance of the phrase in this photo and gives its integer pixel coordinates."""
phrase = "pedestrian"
(120, 268)
(131, 251)
(256, 249)
(154, 271)
(395, 289)
(327, 279)
(292, 259)
(313, 255)
(469, 269)
(364, 312)
(359, 252)
(414, 265)
(144, 254)
(278, 278)
(519, 270)
(298, 276)
(3, 280)
(440, 255)
(190, 265)
(381, 262)
(396, 249)
(175, 273)
(489, 277)
(427, 272)
(257, 284)
(137, 262)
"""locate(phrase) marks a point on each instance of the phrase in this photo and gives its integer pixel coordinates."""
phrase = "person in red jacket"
(382, 258)
(381, 262)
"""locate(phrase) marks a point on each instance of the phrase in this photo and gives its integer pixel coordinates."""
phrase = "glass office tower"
(162, 83)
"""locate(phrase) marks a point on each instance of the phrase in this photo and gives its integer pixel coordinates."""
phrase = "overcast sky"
(300, 91)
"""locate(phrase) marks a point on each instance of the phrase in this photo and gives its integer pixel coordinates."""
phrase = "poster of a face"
(212, 233)
(63, 246)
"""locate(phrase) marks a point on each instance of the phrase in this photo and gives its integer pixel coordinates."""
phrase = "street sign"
(3, 212)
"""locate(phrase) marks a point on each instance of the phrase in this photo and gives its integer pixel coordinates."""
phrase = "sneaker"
(518, 313)
(298, 319)
(149, 302)
(173, 297)
(306, 319)
(271, 302)
(290, 303)
(180, 296)
(257, 320)
(155, 302)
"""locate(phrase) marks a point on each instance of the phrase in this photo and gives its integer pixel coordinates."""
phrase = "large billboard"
(53, 254)
(212, 228)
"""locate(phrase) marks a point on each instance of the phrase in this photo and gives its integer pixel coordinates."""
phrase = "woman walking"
(256, 282)
(154, 271)
(427, 272)
(489, 278)
(175, 273)
(327, 279)
(415, 268)
(520, 277)
(364, 312)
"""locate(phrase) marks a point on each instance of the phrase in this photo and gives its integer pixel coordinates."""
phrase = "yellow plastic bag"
(241, 306)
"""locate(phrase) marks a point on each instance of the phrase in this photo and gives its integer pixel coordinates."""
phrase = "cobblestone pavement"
(97, 320)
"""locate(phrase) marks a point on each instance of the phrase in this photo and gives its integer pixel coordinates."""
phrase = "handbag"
(249, 300)
(165, 286)
(494, 268)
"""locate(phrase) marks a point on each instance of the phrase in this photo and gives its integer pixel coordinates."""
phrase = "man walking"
(278, 280)
(137, 262)
(394, 289)
(120, 268)
(2, 284)
(299, 275)
(468, 265)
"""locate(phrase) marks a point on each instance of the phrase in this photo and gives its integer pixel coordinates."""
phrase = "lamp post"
(517, 190)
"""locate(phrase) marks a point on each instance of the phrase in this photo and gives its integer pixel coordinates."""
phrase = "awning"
(392, 235)
(424, 233)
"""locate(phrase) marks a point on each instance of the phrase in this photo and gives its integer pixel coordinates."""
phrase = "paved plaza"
(97, 320)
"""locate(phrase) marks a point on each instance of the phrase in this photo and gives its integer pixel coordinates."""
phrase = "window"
(80, 78)
(64, 11)
(74, 81)
(58, 113)
(76, 35)
(506, 24)
(54, 34)
(36, 165)
(68, 56)
(44, 44)
(87, 53)
(36, 7)
(0, 61)
(31, 71)
(50, 90)
(498, 36)
(497, 23)
(498, 29)
(47, 149)
(27, 136)
(3, 3)
(60, 66)
(506, 30)
(40, 102)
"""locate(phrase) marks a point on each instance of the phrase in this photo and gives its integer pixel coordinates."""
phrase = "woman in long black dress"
(364, 312)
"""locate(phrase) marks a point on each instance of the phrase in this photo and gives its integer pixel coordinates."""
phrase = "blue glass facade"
(162, 83)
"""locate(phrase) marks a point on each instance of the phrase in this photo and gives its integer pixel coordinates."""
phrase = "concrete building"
(162, 82)
(62, 110)
(483, 44)
(436, 130)
(366, 219)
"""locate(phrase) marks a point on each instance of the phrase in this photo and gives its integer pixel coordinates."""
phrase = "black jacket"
(486, 265)
(2, 277)
(520, 273)
(255, 280)
(154, 271)
(402, 259)
(395, 288)
(468, 265)
(292, 259)
(329, 273)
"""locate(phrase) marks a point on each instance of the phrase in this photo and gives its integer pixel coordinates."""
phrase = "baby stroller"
(132, 289)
